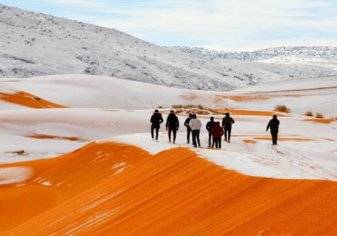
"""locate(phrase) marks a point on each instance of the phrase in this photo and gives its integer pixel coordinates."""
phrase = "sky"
(227, 25)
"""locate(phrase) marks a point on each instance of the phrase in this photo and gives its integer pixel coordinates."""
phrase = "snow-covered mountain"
(316, 55)
(259, 55)
(34, 44)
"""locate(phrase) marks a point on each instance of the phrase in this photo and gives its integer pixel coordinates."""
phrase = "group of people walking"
(216, 131)
(193, 126)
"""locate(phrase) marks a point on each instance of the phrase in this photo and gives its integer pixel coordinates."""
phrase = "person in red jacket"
(217, 133)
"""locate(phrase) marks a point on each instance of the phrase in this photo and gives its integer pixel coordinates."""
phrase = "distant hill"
(318, 56)
(33, 44)
(328, 53)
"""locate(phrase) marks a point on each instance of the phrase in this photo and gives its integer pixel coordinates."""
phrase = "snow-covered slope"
(293, 62)
(119, 110)
(318, 95)
(315, 95)
(269, 53)
(37, 44)
(83, 91)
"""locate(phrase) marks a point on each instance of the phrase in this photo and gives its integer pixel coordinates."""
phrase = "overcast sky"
(215, 24)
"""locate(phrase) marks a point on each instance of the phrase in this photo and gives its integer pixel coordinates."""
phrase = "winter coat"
(195, 124)
(156, 119)
(210, 125)
(172, 121)
(227, 122)
(217, 131)
(273, 125)
(186, 123)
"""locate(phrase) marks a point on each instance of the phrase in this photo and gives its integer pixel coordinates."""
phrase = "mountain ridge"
(35, 44)
(266, 53)
(325, 56)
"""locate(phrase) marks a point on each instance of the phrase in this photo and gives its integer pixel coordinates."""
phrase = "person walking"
(172, 125)
(273, 125)
(217, 133)
(188, 128)
(209, 127)
(227, 123)
(195, 125)
(156, 120)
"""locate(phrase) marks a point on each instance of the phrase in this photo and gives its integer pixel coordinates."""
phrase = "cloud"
(78, 3)
(230, 24)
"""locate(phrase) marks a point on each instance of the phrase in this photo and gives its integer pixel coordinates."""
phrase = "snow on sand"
(307, 149)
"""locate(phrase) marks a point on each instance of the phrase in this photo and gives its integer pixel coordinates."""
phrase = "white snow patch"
(98, 219)
(46, 183)
(119, 165)
(13, 175)
(289, 160)
(99, 200)
(119, 171)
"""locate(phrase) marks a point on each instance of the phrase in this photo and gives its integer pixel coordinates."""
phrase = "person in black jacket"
(273, 125)
(172, 125)
(209, 127)
(156, 120)
(188, 128)
(227, 123)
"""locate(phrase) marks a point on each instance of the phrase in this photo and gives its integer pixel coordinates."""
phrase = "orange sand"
(246, 98)
(28, 100)
(244, 112)
(301, 90)
(321, 120)
(285, 138)
(249, 141)
(115, 189)
(250, 138)
(251, 98)
(47, 136)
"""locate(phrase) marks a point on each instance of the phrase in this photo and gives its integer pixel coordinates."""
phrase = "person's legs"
(274, 137)
(198, 137)
(209, 139)
(169, 134)
(219, 142)
(215, 140)
(157, 133)
(213, 143)
(194, 138)
(229, 134)
(174, 130)
(188, 135)
(152, 129)
(225, 133)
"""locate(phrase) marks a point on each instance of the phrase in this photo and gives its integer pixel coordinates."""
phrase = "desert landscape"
(77, 157)
(75, 166)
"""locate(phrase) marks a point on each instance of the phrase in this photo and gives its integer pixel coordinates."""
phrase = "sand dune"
(321, 120)
(246, 112)
(115, 189)
(285, 138)
(28, 100)
(49, 136)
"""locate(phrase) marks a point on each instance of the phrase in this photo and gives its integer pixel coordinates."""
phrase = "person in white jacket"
(195, 125)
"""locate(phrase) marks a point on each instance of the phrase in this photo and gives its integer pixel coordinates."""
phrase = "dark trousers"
(172, 130)
(196, 138)
(274, 135)
(227, 132)
(154, 129)
(188, 134)
(216, 142)
(210, 137)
